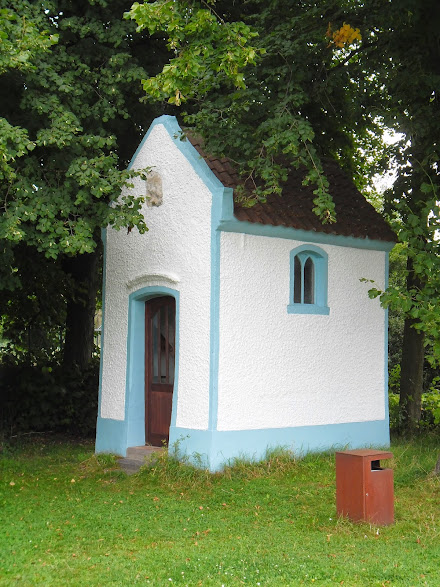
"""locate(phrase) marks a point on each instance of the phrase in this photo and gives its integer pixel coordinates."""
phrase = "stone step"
(137, 456)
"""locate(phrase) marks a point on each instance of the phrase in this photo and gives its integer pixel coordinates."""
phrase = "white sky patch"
(384, 181)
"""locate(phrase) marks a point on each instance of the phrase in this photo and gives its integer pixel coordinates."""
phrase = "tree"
(73, 116)
(410, 81)
(80, 113)
(280, 106)
(330, 77)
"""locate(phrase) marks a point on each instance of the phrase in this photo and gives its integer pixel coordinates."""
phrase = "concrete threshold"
(137, 456)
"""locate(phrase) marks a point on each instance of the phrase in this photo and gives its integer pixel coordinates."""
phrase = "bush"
(430, 417)
(44, 398)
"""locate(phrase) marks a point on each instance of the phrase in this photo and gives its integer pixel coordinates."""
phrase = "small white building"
(232, 330)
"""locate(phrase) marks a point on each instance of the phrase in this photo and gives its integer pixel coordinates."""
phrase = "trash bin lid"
(375, 455)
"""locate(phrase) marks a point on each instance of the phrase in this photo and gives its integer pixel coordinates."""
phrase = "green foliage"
(276, 113)
(65, 127)
(393, 405)
(36, 398)
(71, 117)
(21, 45)
(329, 77)
(431, 404)
(21, 41)
(33, 315)
(430, 414)
(207, 49)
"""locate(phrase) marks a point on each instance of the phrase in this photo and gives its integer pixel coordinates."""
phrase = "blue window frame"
(308, 281)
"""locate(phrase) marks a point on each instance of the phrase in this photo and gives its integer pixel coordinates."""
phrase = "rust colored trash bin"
(364, 491)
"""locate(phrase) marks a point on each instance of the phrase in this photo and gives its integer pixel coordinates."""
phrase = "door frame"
(135, 369)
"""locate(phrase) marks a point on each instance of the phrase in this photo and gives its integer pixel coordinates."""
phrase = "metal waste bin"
(364, 491)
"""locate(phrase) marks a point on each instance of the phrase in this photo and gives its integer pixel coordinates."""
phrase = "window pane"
(171, 343)
(163, 344)
(297, 281)
(155, 346)
(309, 281)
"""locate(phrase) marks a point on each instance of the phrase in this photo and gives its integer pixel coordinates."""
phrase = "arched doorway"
(160, 337)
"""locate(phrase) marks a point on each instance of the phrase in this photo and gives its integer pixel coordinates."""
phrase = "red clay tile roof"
(294, 208)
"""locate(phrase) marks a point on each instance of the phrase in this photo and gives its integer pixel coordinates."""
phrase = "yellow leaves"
(346, 35)
(178, 98)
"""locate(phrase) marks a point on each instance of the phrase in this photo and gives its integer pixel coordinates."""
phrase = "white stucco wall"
(175, 253)
(282, 370)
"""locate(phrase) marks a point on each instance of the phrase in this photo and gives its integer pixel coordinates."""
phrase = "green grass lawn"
(70, 518)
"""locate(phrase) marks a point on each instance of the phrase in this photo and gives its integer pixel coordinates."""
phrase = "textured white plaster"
(175, 253)
(149, 280)
(280, 370)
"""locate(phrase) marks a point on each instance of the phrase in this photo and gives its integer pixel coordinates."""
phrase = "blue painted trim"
(308, 309)
(222, 206)
(195, 159)
(320, 261)
(213, 449)
(135, 378)
(111, 436)
(234, 225)
(226, 219)
(387, 407)
(214, 327)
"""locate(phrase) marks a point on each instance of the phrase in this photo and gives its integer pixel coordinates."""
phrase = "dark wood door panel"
(160, 325)
(160, 408)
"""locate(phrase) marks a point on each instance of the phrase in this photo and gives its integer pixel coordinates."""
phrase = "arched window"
(308, 281)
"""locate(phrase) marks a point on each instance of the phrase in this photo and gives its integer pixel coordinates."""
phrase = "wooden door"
(160, 327)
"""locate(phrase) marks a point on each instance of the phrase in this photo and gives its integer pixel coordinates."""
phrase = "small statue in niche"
(154, 189)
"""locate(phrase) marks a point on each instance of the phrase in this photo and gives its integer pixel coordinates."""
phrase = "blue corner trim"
(111, 436)
(386, 399)
(214, 326)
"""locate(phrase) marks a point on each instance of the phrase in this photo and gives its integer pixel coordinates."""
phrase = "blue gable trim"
(197, 162)
(224, 206)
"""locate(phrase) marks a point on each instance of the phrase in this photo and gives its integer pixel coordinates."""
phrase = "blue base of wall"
(111, 436)
(213, 449)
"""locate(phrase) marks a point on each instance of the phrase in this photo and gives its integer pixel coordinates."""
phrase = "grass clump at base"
(71, 517)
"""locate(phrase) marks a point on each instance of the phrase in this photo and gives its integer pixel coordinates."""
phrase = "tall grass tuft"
(276, 462)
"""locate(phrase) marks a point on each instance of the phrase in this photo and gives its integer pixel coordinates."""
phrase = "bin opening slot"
(375, 466)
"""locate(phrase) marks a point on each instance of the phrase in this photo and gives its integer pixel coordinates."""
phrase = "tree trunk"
(437, 467)
(411, 371)
(79, 342)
